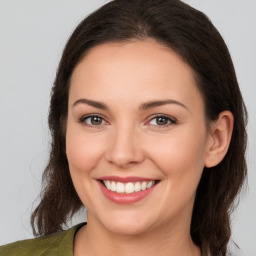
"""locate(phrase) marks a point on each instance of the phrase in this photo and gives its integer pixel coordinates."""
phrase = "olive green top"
(56, 244)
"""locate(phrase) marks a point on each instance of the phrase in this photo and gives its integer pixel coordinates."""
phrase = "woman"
(148, 133)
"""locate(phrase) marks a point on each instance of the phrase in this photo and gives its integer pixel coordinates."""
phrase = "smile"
(127, 188)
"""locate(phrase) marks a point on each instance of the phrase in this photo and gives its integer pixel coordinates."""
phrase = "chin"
(127, 226)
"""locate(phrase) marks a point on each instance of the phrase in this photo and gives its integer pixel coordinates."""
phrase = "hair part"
(190, 34)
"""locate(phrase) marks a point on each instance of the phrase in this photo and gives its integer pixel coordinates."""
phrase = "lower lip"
(120, 198)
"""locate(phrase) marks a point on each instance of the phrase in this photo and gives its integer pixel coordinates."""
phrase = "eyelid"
(84, 117)
(171, 120)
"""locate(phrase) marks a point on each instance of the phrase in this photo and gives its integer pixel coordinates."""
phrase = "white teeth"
(129, 187)
(150, 184)
(108, 184)
(119, 187)
(137, 187)
(143, 185)
(113, 186)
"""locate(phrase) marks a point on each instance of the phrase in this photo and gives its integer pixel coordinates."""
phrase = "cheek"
(83, 151)
(83, 154)
(180, 156)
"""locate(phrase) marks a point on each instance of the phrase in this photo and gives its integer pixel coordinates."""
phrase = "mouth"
(126, 190)
(128, 187)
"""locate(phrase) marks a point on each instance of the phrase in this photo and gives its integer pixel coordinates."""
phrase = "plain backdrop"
(32, 36)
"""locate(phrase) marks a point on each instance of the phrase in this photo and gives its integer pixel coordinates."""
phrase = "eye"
(93, 120)
(162, 120)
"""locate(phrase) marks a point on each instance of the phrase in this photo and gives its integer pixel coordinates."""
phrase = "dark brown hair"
(193, 37)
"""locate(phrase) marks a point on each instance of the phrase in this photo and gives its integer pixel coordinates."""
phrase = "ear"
(219, 138)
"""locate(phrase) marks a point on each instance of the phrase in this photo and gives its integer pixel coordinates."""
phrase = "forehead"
(147, 55)
(136, 69)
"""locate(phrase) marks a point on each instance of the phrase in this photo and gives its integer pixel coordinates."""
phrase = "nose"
(125, 148)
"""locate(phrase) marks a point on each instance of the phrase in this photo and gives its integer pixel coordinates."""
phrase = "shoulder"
(59, 243)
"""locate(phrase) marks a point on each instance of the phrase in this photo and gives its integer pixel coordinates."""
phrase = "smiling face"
(136, 125)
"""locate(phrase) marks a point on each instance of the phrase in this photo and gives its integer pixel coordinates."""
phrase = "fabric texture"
(57, 244)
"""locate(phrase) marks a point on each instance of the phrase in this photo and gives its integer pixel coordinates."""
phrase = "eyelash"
(83, 120)
(170, 120)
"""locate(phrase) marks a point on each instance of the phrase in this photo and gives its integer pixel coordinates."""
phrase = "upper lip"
(125, 179)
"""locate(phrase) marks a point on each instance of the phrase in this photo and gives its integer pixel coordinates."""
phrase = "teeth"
(113, 186)
(119, 187)
(144, 185)
(150, 184)
(108, 184)
(129, 187)
(137, 187)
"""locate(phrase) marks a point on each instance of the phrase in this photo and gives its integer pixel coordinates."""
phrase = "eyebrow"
(92, 103)
(158, 103)
(144, 106)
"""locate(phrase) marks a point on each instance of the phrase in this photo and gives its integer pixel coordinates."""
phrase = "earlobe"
(219, 138)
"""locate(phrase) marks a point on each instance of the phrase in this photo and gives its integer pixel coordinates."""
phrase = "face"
(136, 137)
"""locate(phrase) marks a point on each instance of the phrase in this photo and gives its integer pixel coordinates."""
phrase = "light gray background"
(32, 36)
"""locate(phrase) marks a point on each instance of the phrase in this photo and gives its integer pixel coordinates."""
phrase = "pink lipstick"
(126, 190)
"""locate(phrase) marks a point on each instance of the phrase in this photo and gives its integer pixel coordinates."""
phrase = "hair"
(190, 34)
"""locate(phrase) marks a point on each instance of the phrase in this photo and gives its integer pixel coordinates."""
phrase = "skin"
(128, 141)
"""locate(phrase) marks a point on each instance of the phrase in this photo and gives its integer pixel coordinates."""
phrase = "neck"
(95, 240)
